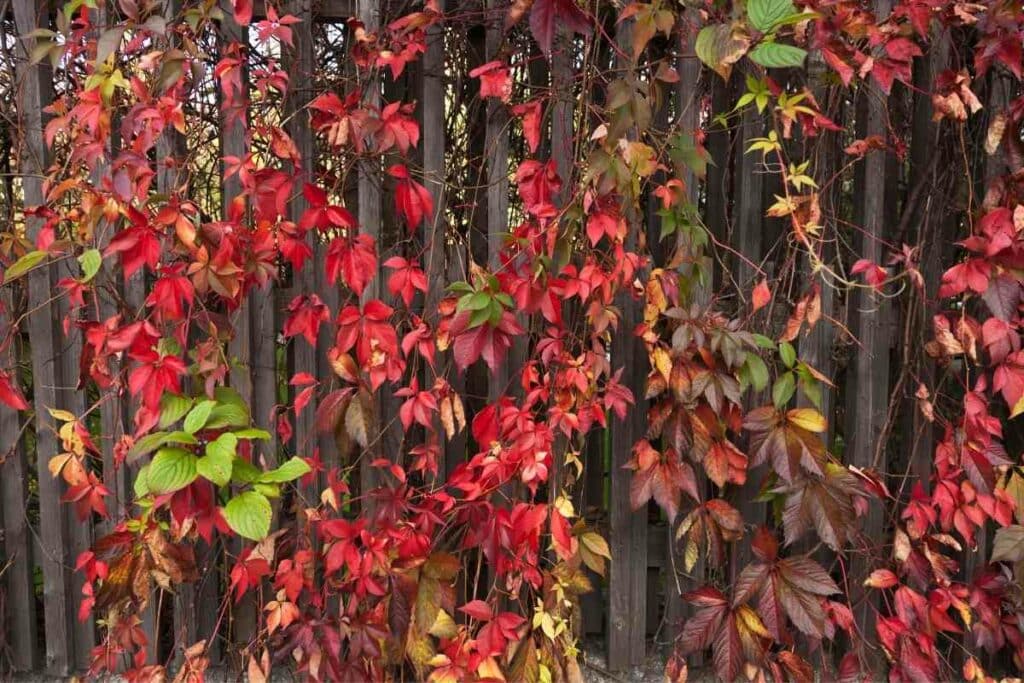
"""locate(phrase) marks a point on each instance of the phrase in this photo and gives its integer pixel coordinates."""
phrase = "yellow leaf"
(489, 669)
(444, 626)
(596, 544)
(748, 618)
(1015, 487)
(692, 554)
(807, 418)
(662, 361)
(1018, 407)
(62, 415)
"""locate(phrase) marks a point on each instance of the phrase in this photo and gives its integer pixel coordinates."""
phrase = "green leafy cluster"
(206, 446)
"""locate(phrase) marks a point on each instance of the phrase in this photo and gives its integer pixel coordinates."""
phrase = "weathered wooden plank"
(171, 178)
(370, 212)
(627, 530)
(747, 230)
(35, 92)
(929, 213)
(816, 348)
(718, 188)
(18, 575)
(233, 143)
(496, 148)
(432, 141)
(870, 323)
(310, 279)
(688, 95)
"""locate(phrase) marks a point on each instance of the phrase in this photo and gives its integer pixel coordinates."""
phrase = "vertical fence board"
(432, 141)
(310, 280)
(816, 347)
(627, 581)
(688, 95)
(747, 229)
(171, 174)
(496, 149)
(870, 324)
(18, 588)
(233, 144)
(929, 218)
(54, 539)
(370, 213)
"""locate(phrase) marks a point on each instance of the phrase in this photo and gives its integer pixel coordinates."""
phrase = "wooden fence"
(638, 606)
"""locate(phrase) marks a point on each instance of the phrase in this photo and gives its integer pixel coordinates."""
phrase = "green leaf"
(228, 415)
(783, 390)
(147, 444)
(172, 469)
(765, 14)
(812, 390)
(141, 485)
(198, 416)
(252, 433)
(475, 302)
(479, 316)
(758, 371)
(720, 46)
(225, 395)
(181, 437)
(216, 465)
(289, 471)
(787, 353)
(763, 341)
(794, 18)
(172, 408)
(268, 490)
(248, 515)
(23, 265)
(244, 472)
(90, 261)
(778, 55)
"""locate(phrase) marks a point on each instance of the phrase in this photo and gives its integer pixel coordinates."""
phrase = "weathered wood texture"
(627, 580)
(17, 591)
(56, 540)
(870, 322)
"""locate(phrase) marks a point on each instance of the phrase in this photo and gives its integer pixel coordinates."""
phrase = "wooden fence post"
(627, 579)
(244, 619)
(870, 324)
(370, 211)
(816, 347)
(16, 566)
(496, 149)
(308, 280)
(55, 540)
(688, 96)
(432, 141)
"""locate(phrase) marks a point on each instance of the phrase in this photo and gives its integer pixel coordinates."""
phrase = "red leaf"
(761, 295)
(412, 200)
(495, 80)
(478, 609)
(11, 394)
(547, 15)
(530, 113)
(243, 11)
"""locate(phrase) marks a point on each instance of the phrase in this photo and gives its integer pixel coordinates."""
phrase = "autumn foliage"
(460, 548)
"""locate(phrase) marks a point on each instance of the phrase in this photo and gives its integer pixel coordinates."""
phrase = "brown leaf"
(359, 418)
